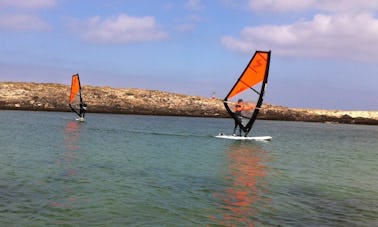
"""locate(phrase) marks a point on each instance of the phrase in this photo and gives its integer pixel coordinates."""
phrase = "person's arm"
(248, 107)
(238, 108)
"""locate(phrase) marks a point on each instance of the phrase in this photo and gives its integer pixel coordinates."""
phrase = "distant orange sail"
(75, 87)
(252, 75)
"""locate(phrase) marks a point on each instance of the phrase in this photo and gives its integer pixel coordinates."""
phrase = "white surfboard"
(231, 137)
(82, 119)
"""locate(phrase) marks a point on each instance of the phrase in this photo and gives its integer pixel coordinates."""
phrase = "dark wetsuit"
(83, 109)
(238, 119)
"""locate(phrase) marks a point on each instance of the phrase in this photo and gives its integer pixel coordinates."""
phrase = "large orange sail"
(76, 103)
(250, 86)
(75, 87)
(252, 75)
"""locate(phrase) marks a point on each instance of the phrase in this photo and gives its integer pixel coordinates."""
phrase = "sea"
(136, 170)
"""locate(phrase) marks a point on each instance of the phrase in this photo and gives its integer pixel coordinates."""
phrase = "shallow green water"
(117, 170)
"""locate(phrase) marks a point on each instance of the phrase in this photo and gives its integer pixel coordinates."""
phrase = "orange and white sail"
(75, 88)
(254, 73)
(75, 98)
(250, 86)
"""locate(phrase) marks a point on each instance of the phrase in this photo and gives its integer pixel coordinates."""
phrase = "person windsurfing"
(76, 103)
(239, 107)
(250, 85)
(82, 109)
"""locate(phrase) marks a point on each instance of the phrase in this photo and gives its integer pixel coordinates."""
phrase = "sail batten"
(250, 83)
(255, 91)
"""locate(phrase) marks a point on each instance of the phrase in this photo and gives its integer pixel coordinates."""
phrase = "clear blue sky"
(324, 52)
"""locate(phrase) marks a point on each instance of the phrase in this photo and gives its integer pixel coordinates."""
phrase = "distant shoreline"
(54, 97)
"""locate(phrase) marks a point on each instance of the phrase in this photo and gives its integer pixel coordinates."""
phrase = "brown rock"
(54, 97)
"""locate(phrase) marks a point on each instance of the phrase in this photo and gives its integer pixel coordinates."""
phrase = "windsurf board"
(232, 137)
(82, 119)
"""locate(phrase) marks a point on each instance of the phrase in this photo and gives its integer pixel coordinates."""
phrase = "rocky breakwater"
(54, 97)
(314, 115)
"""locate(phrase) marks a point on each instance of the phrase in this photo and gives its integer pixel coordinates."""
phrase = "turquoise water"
(126, 170)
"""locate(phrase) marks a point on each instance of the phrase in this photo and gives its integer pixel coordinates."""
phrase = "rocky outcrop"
(314, 115)
(54, 97)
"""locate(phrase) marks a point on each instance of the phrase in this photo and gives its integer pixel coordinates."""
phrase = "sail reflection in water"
(67, 162)
(246, 186)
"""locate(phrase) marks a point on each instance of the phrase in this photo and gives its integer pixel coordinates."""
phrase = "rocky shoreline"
(54, 97)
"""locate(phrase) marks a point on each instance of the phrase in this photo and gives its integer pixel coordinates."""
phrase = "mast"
(260, 100)
(81, 98)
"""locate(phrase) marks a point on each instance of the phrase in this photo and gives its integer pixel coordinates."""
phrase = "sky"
(324, 52)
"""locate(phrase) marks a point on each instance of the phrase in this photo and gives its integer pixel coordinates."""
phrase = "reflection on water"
(246, 185)
(112, 171)
(67, 163)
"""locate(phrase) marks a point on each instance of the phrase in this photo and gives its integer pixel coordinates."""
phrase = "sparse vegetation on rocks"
(54, 97)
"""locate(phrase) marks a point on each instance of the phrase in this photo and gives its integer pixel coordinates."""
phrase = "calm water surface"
(117, 170)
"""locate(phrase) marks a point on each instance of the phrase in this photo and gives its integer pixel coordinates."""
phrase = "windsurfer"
(239, 107)
(83, 109)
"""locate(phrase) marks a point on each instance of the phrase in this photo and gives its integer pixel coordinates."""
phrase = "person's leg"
(236, 125)
(240, 130)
